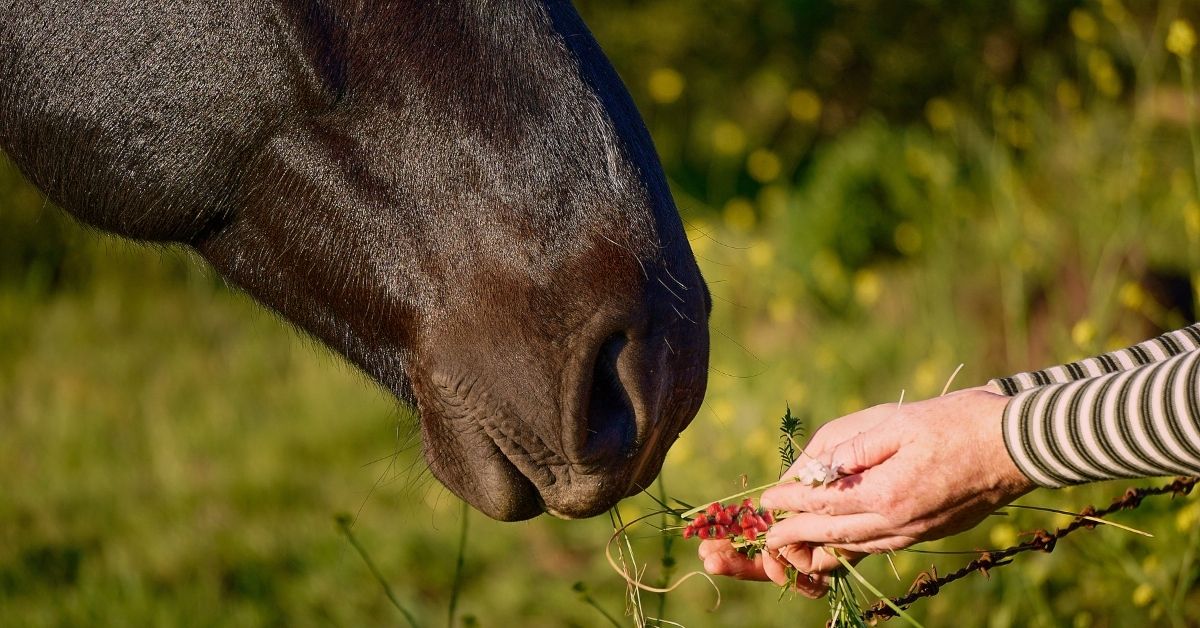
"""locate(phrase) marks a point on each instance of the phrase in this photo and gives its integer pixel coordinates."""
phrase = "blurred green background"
(877, 191)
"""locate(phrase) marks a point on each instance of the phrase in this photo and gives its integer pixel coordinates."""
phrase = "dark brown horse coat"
(457, 195)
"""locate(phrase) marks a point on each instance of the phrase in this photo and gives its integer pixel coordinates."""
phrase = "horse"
(458, 196)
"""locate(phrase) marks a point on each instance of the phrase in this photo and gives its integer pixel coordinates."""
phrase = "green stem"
(749, 491)
(344, 522)
(600, 609)
(668, 561)
(458, 564)
(870, 587)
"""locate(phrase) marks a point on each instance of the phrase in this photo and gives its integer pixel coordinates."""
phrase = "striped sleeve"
(1139, 422)
(1153, 350)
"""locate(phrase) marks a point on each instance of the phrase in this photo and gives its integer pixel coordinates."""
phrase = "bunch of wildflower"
(742, 524)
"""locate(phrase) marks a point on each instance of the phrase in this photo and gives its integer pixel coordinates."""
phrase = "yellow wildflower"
(1143, 594)
(739, 215)
(805, 105)
(728, 138)
(763, 165)
(1083, 333)
(665, 85)
(940, 114)
(1181, 38)
(1084, 26)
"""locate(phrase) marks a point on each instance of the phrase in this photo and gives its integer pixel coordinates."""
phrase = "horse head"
(458, 196)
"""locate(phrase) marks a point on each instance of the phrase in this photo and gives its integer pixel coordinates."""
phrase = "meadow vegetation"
(877, 192)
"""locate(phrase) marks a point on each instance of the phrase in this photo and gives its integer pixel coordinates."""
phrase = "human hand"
(813, 565)
(915, 473)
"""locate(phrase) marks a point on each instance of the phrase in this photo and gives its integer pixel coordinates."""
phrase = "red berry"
(703, 533)
(721, 532)
(714, 508)
(688, 532)
(751, 534)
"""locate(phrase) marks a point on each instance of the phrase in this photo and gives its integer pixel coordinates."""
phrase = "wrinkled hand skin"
(813, 563)
(913, 473)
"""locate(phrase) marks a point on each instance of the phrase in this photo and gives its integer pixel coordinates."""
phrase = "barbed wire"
(930, 584)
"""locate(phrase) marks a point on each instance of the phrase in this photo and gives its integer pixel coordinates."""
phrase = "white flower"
(815, 473)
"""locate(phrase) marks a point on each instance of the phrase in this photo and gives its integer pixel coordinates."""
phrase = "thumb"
(865, 450)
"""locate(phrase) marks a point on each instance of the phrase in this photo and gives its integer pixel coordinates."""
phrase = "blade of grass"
(946, 388)
(1084, 517)
(581, 589)
(344, 522)
(668, 541)
(458, 564)
(870, 587)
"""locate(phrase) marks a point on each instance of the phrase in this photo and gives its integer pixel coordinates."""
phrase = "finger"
(824, 559)
(774, 568)
(864, 451)
(834, 432)
(799, 556)
(738, 567)
(841, 499)
(812, 585)
(806, 558)
(826, 530)
(878, 546)
(814, 560)
(713, 546)
(733, 564)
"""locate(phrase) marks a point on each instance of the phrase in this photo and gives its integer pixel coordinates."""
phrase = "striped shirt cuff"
(1140, 422)
(1154, 350)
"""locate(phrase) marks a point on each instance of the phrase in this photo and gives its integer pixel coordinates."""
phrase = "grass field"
(170, 454)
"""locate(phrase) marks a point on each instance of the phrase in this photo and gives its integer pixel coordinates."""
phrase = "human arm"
(721, 559)
(1142, 422)
(1156, 349)
(926, 469)
(995, 451)
(939, 466)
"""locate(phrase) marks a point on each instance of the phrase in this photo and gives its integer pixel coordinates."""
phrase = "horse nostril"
(611, 427)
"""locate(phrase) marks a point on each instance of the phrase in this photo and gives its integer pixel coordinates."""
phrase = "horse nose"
(621, 388)
(615, 392)
(634, 390)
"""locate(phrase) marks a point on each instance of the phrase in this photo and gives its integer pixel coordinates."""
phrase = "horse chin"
(502, 488)
(491, 485)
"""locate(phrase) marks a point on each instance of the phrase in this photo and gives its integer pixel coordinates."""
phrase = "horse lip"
(546, 508)
(527, 492)
(640, 471)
